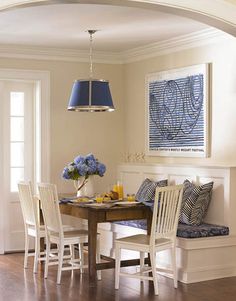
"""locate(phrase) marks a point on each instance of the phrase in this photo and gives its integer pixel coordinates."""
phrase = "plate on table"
(98, 205)
(110, 201)
(127, 204)
(82, 201)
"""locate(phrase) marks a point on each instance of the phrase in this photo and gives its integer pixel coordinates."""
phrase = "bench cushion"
(185, 231)
(203, 230)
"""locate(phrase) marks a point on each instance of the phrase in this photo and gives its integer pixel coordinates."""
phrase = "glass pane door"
(17, 101)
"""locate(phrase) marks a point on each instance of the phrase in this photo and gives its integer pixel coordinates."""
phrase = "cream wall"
(223, 60)
(110, 135)
(74, 133)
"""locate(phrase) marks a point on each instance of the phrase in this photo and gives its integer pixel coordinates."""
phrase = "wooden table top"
(108, 213)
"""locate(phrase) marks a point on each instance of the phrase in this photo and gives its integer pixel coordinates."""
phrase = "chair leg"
(60, 261)
(26, 250)
(98, 255)
(117, 267)
(81, 256)
(173, 259)
(114, 237)
(72, 254)
(142, 256)
(36, 253)
(154, 272)
(72, 251)
(47, 257)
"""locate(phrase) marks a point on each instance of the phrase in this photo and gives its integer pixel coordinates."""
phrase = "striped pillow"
(146, 192)
(195, 203)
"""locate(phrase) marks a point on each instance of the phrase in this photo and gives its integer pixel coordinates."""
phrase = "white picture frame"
(178, 112)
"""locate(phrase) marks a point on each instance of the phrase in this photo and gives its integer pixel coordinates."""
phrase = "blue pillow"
(195, 203)
(146, 192)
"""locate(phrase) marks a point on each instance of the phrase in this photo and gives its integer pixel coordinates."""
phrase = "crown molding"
(197, 39)
(57, 54)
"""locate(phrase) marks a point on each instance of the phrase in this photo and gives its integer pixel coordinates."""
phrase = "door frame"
(41, 79)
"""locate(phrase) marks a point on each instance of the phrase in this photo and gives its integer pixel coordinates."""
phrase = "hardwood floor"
(17, 284)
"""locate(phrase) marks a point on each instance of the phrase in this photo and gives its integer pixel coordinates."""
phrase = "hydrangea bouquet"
(83, 167)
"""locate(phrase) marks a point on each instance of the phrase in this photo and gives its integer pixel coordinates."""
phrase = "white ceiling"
(64, 26)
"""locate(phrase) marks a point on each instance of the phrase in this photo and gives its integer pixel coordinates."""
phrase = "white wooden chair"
(57, 235)
(163, 236)
(31, 217)
(30, 211)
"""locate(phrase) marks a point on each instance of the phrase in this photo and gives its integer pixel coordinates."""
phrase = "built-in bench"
(185, 231)
(203, 252)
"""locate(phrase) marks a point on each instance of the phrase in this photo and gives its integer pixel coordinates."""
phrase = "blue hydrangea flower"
(65, 173)
(101, 168)
(90, 157)
(71, 167)
(92, 167)
(83, 166)
(79, 160)
(82, 169)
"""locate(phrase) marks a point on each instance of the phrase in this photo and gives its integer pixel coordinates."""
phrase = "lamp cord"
(91, 32)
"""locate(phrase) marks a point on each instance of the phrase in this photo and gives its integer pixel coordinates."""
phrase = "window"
(17, 139)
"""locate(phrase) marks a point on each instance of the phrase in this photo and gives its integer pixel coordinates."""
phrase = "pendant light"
(91, 95)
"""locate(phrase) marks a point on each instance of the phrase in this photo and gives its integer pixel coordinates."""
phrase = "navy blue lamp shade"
(91, 95)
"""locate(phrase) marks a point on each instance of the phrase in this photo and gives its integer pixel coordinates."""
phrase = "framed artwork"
(177, 112)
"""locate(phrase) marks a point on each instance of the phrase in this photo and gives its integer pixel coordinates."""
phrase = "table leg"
(92, 245)
(149, 222)
(42, 240)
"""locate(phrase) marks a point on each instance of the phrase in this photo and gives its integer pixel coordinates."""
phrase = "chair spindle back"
(29, 204)
(166, 212)
(50, 207)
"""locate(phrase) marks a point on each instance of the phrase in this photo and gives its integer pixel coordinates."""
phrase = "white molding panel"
(222, 206)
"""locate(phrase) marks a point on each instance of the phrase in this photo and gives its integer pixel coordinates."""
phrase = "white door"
(17, 140)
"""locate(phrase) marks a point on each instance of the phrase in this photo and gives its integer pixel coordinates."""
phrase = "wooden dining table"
(104, 214)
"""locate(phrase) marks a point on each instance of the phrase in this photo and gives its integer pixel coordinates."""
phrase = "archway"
(221, 15)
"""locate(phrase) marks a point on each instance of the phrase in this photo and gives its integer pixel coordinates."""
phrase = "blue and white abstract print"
(177, 114)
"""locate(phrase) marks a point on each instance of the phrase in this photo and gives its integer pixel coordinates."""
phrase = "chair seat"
(143, 240)
(70, 228)
(32, 231)
(71, 237)
(79, 233)
(71, 233)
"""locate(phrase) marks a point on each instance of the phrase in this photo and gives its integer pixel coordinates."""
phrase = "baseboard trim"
(206, 273)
